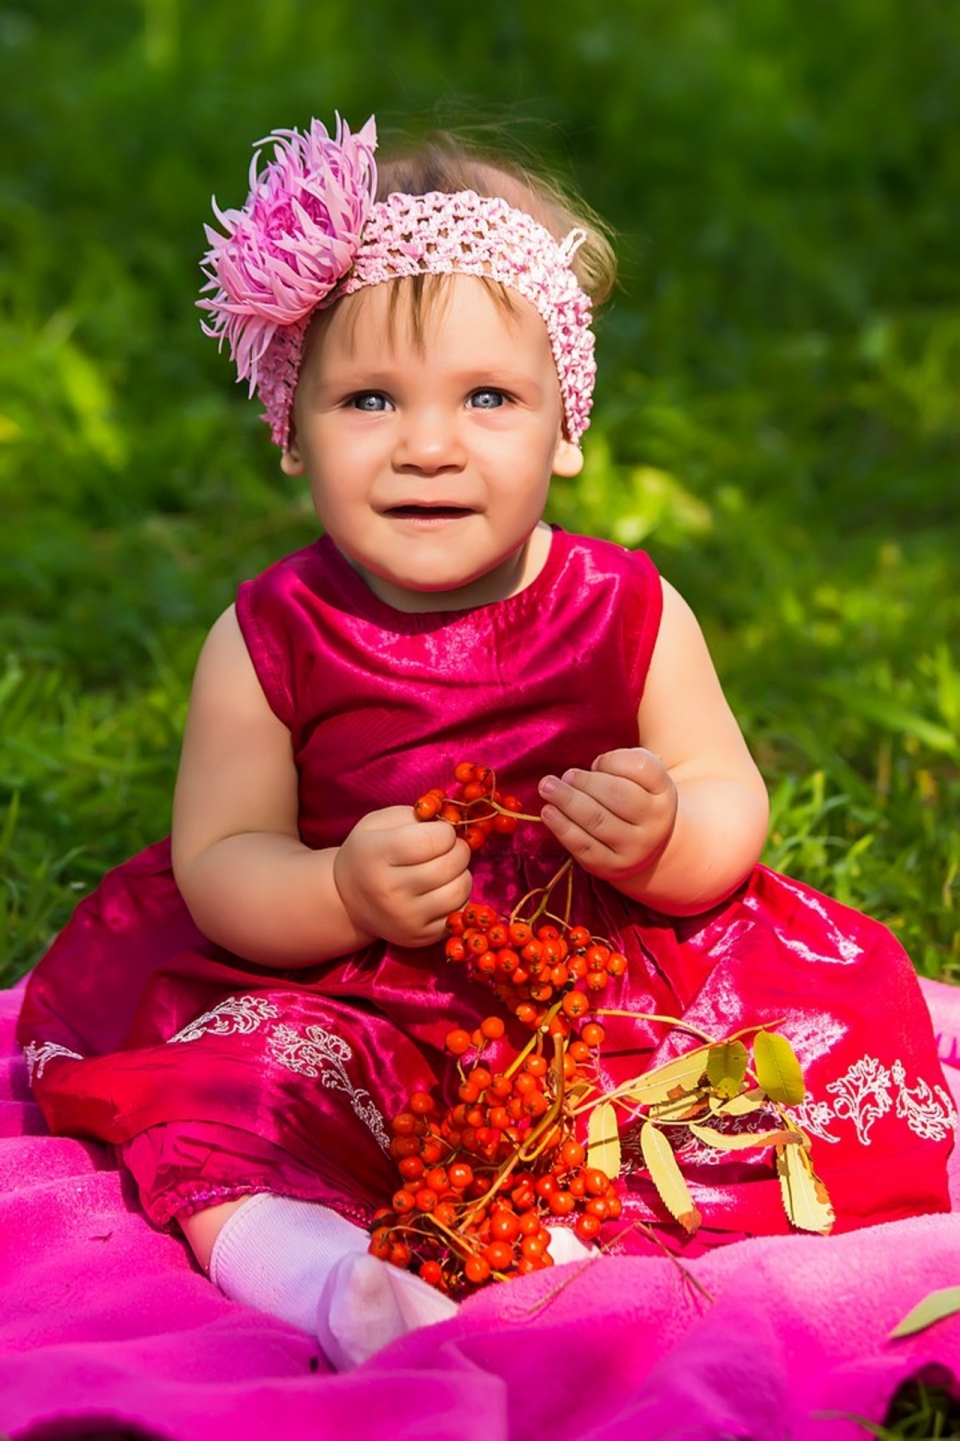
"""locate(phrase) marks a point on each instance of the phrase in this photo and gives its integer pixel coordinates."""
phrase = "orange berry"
(575, 1004)
(460, 1175)
(458, 1042)
(561, 1203)
(587, 1227)
(498, 1255)
(572, 1153)
(476, 1270)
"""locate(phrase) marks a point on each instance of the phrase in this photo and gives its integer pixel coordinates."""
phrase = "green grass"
(777, 417)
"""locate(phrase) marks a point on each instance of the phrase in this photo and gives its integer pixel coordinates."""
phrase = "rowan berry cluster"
(482, 1180)
(530, 966)
(475, 807)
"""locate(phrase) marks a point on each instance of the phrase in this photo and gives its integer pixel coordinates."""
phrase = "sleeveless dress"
(217, 1077)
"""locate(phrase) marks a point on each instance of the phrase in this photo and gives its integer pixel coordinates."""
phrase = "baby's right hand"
(399, 879)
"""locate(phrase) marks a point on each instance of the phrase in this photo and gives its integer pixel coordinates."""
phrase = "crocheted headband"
(311, 232)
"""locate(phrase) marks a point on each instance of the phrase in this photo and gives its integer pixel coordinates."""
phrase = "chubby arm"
(679, 823)
(248, 880)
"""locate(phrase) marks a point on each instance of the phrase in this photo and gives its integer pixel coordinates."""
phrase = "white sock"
(367, 1303)
(302, 1262)
(565, 1245)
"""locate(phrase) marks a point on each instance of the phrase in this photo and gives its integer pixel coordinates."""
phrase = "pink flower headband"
(311, 232)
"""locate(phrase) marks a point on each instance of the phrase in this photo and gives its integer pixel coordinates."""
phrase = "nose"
(429, 442)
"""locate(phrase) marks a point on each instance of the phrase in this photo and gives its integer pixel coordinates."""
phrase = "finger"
(422, 877)
(435, 906)
(636, 764)
(418, 843)
(592, 853)
(388, 819)
(603, 805)
(579, 821)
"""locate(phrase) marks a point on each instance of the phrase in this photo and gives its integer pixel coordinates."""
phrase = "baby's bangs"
(417, 299)
(412, 302)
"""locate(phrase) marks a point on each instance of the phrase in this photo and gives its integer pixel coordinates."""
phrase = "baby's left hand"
(617, 817)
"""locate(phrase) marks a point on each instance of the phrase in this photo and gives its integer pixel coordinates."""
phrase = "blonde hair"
(448, 163)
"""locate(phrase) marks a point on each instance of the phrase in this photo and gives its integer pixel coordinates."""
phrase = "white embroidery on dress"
(37, 1057)
(866, 1091)
(930, 1118)
(814, 1117)
(317, 1052)
(863, 1095)
(237, 1015)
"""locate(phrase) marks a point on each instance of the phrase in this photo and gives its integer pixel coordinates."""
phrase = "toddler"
(243, 1009)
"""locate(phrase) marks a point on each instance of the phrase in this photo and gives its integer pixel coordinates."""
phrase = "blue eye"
(371, 402)
(488, 399)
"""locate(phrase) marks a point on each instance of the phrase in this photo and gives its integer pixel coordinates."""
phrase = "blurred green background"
(777, 417)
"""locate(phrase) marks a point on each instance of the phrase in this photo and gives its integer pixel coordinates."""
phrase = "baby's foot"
(367, 1303)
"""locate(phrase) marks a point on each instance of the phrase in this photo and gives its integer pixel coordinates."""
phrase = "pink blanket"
(108, 1329)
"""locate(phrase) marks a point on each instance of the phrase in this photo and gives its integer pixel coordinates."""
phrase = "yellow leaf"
(680, 1108)
(726, 1067)
(666, 1176)
(935, 1307)
(603, 1140)
(805, 1197)
(737, 1140)
(661, 1084)
(741, 1105)
(778, 1069)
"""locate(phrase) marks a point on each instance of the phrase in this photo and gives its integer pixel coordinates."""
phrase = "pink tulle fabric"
(140, 1032)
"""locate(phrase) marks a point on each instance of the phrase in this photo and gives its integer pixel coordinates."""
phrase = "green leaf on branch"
(726, 1067)
(778, 1069)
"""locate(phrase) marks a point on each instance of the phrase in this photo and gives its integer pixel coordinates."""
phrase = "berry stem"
(534, 1040)
(544, 891)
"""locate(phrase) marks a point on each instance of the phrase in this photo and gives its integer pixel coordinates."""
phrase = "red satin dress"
(216, 1077)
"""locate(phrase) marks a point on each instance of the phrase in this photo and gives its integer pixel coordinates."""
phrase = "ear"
(567, 459)
(291, 462)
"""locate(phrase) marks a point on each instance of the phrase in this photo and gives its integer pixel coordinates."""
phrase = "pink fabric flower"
(294, 239)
